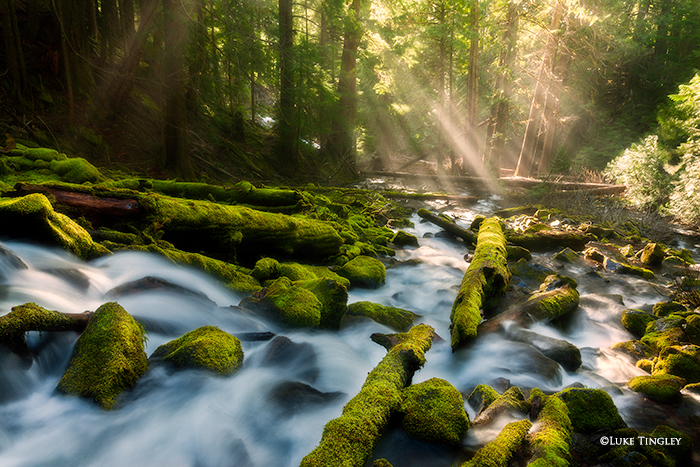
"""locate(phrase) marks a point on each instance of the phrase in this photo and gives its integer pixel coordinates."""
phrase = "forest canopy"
(316, 89)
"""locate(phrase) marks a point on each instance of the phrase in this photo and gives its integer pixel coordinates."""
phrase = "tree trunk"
(551, 113)
(498, 120)
(127, 16)
(13, 48)
(472, 110)
(175, 143)
(287, 134)
(528, 147)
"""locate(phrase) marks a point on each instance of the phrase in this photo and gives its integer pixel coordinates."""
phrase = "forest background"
(313, 90)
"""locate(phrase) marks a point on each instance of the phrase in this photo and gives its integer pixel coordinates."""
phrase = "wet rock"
(364, 272)
(693, 388)
(530, 271)
(150, 283)
(403, 239)
(567, 255)
(665, 332)
(292, 397)
(661, 388)
(664, 309)
(287, 304)
(590, 410)
(208, 348)
(433, 411)
(108, 358)
(510, 402)
(73, 276)
(396, 318)
(645, 364)
(499, 452)
(635, 349)
(613, 260)
(636, 321)
(282, 352)
(333, 297)
(516, 253)
(562, 352)
(652, 254)
(481, 397)
(9, 260)
(683, 361)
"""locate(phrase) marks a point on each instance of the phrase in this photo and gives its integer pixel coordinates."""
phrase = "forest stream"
(272, 412)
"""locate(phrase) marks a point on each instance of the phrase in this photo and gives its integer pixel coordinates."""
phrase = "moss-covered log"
(86, 203)
(32, 317)
(224, 230)
(486, 278)
(499, 452)
(551, 443)
(396, 318)
(108, 358)
(511, 402)
(449, 225)
(549, 239)
(32, 217)
(348, 440)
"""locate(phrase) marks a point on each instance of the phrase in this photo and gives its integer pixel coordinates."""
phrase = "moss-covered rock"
(510, 402)
(433, 411)
(364, 271)
(266, 268)
(665, 332)
(661, 388)
(76, 170)
(635, 349)
(532, 272)
(333, 297)
(551, 442)
(499, 452)
(664, 309)
(402, 239)
(207, 348)
(486, 278)
(108, 358)
(32, 217)
(516, 253)
(636, 321)
(396, 318)
(348, 440)
(683, 361)
(567, 255)
(481, 397)
(285, 303)
(590, 410)
(652, 254)
(645, 364)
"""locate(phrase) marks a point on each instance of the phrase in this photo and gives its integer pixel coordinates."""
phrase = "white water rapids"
(194, 419)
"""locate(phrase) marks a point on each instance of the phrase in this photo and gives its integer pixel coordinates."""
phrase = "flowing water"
(257, 417)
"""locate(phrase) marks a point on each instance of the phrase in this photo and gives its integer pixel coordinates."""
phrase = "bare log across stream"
(450, 226)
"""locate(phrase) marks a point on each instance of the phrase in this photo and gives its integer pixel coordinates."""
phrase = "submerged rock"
(396, 318)
(299, 358)
(108, 358)
(207, 348)
(433, 411)
(292, 397)
(561, 351)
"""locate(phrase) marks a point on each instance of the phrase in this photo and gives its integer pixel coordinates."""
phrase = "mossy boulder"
(500, 451)
(76, 170)
(108, 358)
(402, 238)
(664, 309)
(510, 402)
(32, 217)
(287, 304)
(333, 297)
(652, 254)
(396, 318)
(645, 364)
(636, 321)
(661, 388)
(665, 332)
(433, 411)
(481, 397)
(207, 348)
(364, 271)
(567, 255)
(635, 349)
(683, 361)
(590, 410)
(551, 442)
(266, 268)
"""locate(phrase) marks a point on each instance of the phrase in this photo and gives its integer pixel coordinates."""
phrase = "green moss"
(207, 348)
(76, 170)
(551, 443)
(396, 318)
(348, 440)
(266, 268)
(287, 304)
(28, 317)
(645, 364)
(567, 255)
(433, 411)
(381, 463)
(683, 361)
(333, 296)
(486, 278)
(499, 452)
(634, 348)
(636, 321)
(532, 272)
(665, 332)
(664, 309)
(652, 254)
(512, 402)
(516, 253)
(481, 397)
(364, 271)
(661, 388)
(32, 217)
(108, 358)
(402, 238)
(681, 452)
(585, 419)
(549, 305)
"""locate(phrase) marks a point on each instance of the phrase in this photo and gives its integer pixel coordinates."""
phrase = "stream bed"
(272, 412)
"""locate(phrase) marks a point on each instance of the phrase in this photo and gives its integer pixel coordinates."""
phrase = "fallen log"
(449, 225)
(499, 451)
(32, 317)
(348, 440)
(85, 202)
(486, 278)
(549, 239)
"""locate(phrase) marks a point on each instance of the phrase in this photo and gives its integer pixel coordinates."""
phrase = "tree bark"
(465, 234)
(528, 147)
(551, 113)
(287, 135)
(13, 48)
(472, 110)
